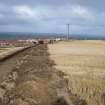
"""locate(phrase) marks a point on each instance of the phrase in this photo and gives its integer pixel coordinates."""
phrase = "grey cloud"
(99, 4)
(52, 15)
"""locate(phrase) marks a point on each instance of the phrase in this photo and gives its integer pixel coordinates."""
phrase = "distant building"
(4, 43)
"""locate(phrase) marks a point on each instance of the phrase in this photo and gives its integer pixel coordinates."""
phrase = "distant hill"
(13, 35)
(19, 35)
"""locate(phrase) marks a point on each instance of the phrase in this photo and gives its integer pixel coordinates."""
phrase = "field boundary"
(13, 53)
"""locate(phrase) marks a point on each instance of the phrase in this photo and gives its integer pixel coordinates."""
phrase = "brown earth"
(30, 78)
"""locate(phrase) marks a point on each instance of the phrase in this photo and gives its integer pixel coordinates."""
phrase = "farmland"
(62, 73)
(29, 78)
(8, 51)
(84, 64)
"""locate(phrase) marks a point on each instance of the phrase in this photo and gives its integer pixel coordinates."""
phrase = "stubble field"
(8, 51)
(84, 64)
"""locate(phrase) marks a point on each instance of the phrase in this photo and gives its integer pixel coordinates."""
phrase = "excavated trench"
(34, 81)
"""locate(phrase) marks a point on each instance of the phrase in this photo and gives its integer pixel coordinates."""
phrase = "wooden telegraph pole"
(68, 33)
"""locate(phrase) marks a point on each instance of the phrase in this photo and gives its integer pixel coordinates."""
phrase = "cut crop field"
(30, 78)
(84, 64)
(3, 49)
(8, 51)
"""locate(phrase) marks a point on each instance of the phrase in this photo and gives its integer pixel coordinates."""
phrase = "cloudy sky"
(85, 16)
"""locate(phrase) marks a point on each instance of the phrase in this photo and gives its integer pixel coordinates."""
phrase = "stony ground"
(30, 78)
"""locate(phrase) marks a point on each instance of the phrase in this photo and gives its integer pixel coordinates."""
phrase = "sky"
(52, 16)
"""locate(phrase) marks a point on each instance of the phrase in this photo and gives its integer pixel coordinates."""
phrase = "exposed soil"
(32, 80)
(7, 65)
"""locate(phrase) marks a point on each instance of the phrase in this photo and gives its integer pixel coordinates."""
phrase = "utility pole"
(68, 28)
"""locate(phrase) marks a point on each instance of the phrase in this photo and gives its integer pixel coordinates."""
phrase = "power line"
(68, 28)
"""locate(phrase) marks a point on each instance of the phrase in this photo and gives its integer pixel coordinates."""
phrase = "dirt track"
(32, 80)
(8, 65)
